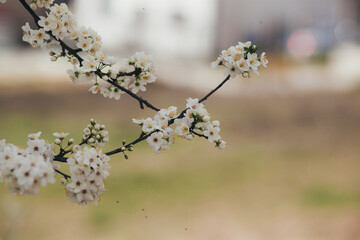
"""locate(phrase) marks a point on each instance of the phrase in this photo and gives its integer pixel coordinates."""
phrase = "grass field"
(290, 170)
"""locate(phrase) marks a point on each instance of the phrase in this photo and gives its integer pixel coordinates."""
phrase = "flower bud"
(57, 141)
(189, 137)
(216, 123)
(206, 119)
(63, 181)
(246, 74)
(76, 148)
(33, 6)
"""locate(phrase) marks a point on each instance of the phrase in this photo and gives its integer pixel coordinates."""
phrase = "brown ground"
(290, 170)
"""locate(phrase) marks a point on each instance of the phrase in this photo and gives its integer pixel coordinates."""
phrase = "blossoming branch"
(25, 171)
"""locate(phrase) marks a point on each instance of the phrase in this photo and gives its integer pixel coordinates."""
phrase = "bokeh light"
(302, 44)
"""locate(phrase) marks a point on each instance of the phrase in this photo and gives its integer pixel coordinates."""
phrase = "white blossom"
(182, 127)
(148, 125)
(212, 133)
(84, 43)
(90, 64)
(197, 121)
(89, 167)
(264, 60)
(194, 104)
(157, 142)
(221, 144)
(253, 61)
(95, 133)
(240, 59)
(27, 170)
(139, 121)
(138, 86)
(60, 135)
(33, 136)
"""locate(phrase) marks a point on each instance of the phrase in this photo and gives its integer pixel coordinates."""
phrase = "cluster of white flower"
(144, 63)
(240, 59)
(144, 73)
(60, 22)
(41, 3)
(88, 168)
(37, 3)
(108, 90)
(95, 134)
(60, 137)
(27, 170)
(161, 134)
(198, 121)
(36, 38)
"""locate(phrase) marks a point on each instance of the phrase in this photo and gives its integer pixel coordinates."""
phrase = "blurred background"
(291, 166)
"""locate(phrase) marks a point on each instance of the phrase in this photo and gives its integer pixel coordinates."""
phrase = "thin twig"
(213, 91)
(198, 134)
(142, 137)
(63, 174)
(59, 158)
(141, 101)
(136, 72)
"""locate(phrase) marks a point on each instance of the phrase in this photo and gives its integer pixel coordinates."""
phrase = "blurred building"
(182, 34)
(12, 17)
(200, 28)
(172, 28)
(271, 23)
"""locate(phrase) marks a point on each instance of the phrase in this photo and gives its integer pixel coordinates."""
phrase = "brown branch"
(214, 90)
(198, 134)
(63, 174)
